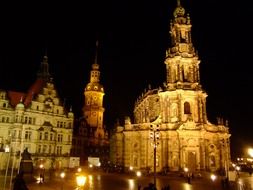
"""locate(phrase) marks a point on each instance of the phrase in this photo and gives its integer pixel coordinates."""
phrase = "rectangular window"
(46, 136)
(44, 148)
(49, 149)
(30, 120)
(39, 148)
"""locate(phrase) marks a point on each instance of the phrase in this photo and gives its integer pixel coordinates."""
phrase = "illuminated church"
(170, 128)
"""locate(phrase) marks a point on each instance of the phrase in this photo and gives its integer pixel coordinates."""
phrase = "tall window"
(28, 135)
(40, 137)
(44, 148)
(187, 108)
(46, 135)
(49, 149)
(39, 148)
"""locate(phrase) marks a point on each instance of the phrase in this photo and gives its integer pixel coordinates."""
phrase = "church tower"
(182, 71)
(182, 63)
(93, 109)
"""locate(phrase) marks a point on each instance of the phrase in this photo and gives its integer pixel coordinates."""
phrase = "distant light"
(238, 168)
(62, 174)
(213, 177)
(131, 168)
(138, 173)
(250, 152)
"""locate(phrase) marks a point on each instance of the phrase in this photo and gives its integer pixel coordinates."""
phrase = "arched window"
(187, 108)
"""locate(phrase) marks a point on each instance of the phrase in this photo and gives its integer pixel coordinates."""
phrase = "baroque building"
(171, 130)
(36, 121)
(91, 137)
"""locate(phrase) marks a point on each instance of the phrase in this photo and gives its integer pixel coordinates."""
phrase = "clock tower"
(93, 110)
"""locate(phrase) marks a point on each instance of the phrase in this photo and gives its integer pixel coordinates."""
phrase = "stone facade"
(171, 130)
(36, 120)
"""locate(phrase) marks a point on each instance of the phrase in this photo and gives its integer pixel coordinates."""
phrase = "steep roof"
(15, 97)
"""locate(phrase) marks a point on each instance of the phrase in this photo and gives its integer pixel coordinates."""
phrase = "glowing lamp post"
(79, 170)
(154, 136)
(138, 174)
(62, 175)
(213, 178)
(41, 173)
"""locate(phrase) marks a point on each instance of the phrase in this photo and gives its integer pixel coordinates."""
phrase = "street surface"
(114, 181)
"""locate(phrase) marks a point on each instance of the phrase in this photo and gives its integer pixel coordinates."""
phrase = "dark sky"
(133, 37)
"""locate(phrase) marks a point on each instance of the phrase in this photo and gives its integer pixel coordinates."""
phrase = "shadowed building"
(172, 120)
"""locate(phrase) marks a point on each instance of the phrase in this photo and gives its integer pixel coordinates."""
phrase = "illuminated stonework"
(36, 120)
(186, 137)
(91, 132)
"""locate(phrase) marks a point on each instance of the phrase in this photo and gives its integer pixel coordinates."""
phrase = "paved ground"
(114, 181)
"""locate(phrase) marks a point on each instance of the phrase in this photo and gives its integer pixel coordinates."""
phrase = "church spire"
(95, 73)
(178, 3)
(44, 69)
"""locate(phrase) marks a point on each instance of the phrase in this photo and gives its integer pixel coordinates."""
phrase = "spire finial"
(178, 3)
(96, 56)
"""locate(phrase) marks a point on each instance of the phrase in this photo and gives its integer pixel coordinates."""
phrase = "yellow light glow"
(250, 152)
(138, 173)
(62, 174)
(213, 177)
(80, 180)
(131, 184)
(238, 168)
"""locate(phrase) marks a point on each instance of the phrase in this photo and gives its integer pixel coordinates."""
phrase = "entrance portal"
(192, 160)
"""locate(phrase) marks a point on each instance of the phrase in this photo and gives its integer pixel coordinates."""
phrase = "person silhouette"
(19, 182)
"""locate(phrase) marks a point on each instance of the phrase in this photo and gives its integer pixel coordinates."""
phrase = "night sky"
(133, 37)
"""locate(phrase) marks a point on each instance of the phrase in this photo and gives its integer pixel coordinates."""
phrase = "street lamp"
(138, 174)
(213, 178)
(154, 135)
(62, 176)
(41, 173)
